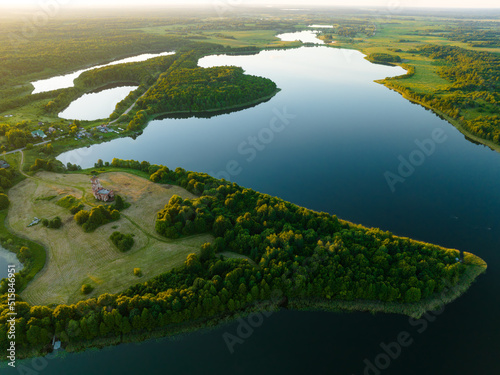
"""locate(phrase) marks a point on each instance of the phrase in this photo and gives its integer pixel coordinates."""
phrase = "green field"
(74, 257)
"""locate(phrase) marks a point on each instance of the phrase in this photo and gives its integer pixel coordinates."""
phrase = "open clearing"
(75, 257)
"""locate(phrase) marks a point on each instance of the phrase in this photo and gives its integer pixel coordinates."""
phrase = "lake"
(321, 26)
(96, 105)
(64, 81)
(306, 36)
(340, 135)
(8, 259)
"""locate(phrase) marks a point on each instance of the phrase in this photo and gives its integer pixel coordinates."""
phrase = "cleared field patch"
(74, 257)
(232, 38)
(426, 80)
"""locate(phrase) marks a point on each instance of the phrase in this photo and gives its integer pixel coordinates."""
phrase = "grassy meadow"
(74, 257)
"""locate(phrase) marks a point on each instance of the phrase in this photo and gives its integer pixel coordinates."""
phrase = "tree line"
(473, 95)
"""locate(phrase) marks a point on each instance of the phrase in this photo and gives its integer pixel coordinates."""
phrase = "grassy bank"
(455, 122)
(406, 36)
(13, 243)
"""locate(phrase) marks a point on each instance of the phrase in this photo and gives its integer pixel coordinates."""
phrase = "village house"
(102, 128)
(38, 133)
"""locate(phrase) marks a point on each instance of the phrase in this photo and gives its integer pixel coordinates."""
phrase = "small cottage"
(38, 133)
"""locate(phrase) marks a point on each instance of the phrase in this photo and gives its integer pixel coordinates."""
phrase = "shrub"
(82, 217)
(55, 223)
(75, 209)
(4, 201)
(24, 254)
(119, 203)
(67, 202)
(98, 216)
(123, 242)
(48, 165)
(137, 272)
(87, 288)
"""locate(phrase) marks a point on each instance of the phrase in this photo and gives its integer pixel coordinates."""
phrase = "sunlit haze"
(275, 3)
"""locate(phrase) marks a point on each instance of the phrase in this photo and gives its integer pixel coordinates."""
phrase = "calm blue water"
(348, 132)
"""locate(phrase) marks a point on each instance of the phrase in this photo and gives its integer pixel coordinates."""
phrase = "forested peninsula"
(289, 257)
(187, 88)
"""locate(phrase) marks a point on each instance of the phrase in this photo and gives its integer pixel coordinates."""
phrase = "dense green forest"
(292, 254)
(188, 88)
(199, 89)
(61, 45)
(483, 33)
(474, 91)
(383, 58)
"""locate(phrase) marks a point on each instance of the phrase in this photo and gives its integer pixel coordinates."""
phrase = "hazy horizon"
(389, 4)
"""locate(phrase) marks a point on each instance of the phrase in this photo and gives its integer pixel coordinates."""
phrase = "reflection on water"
(97, 105)
(61, 82)
(7, 258)
(307, 36)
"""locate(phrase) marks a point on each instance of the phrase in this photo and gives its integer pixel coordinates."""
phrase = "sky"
(275, 3)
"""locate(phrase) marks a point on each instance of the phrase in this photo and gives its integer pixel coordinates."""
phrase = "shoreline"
(63, 148)
(414, 311)
(88, 67)
(233, 108)
(454, 122)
